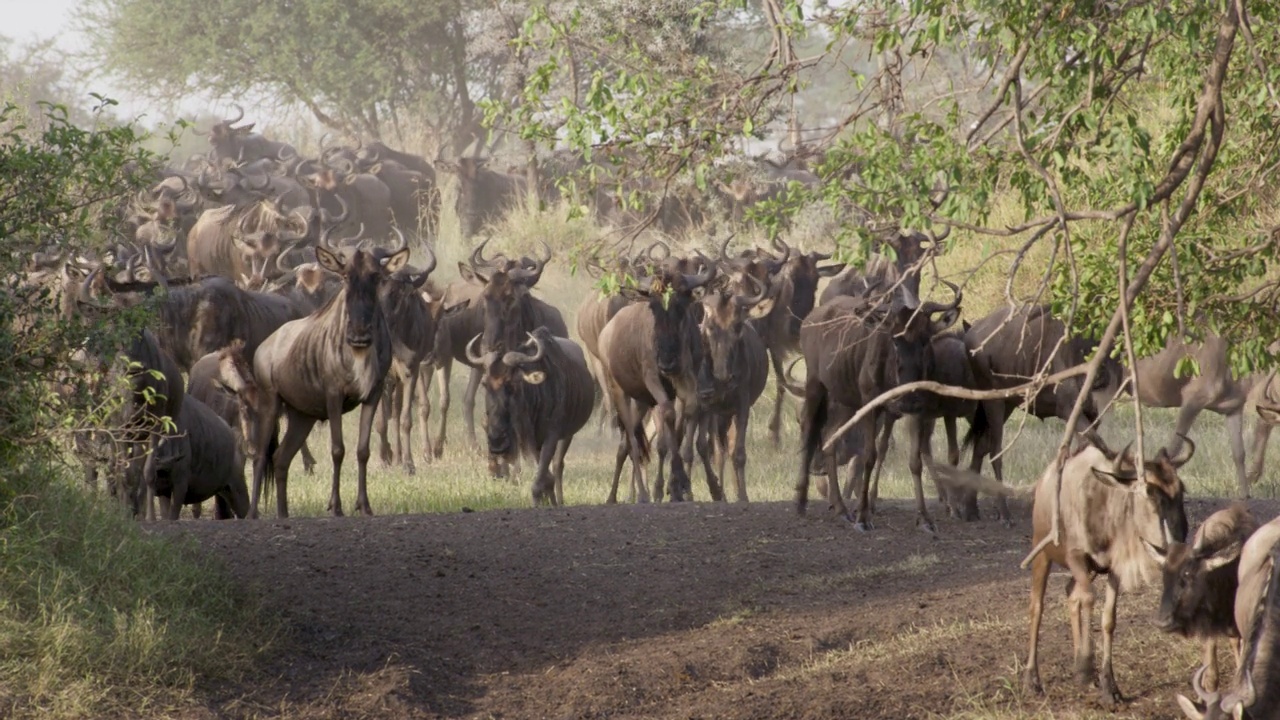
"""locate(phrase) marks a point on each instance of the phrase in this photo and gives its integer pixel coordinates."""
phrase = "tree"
(368, 67)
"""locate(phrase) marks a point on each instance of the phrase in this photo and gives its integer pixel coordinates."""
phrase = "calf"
(1200, 583)
(202, 461)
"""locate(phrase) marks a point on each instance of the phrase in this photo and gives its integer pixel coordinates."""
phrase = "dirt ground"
(666, 611)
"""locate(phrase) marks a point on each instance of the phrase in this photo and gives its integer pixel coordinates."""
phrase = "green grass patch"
(98, 616)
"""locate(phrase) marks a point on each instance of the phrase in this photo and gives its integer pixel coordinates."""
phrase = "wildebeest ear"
(329, 260)
(1116, 480)
(1224, 556)
(374, 169)
(456, 308)
(830, 270)
(534, 377)
(1189, 708)
(393, 263)
(966, 325)
(350, 179)
(466, 272)
(762, 308)
(633, 294)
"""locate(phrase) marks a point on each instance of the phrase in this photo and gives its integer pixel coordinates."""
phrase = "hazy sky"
(26, 20)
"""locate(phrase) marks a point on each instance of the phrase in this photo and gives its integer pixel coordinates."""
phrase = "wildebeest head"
(1200, 577)
(912, 325)
(1159, 514)
(669, 295)
(1213, 705)
(505, 295)
(403, 287)
(225, 139)
(505, 376)
(724, 316)
(362, 274)
(801, 272)
(260, 237)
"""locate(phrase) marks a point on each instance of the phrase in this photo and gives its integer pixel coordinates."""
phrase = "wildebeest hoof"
(1031, 683)
(410, 470)
(863, 526)
(927, 526)
(1109, 695)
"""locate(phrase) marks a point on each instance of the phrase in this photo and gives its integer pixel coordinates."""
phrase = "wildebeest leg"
(984, 446)
(386, 407)
(1261, 437)
(1080, 601)
(446, 370)
(408, 382)
(295, 435)
(1235, 435)
(953, 459)
(862, 521)
(362, 459)
(1039, 581)
(308, 460)
(469, 407)
(681, 488)
(423, 397)
(1107, 680)
(779, 384)
(813, 418)
(337, 449)
(557, 468)
(736, 444)
(1210, 663)
(920, 439)
(619, 458)
(882, 451)
(544, 483)
(704, 441)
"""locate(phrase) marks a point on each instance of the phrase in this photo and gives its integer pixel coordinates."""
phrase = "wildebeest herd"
(282, 288)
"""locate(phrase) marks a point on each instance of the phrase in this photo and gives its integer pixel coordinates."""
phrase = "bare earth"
(665, 611)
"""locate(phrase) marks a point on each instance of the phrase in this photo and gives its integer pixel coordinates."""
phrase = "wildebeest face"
(724, 317)
(1189, 575)
(1159, 510)
(507, 376)
(362, 275)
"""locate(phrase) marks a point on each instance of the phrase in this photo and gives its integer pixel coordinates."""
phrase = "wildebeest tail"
(641, 440)
(965, 479)
(269, 472)
(979, 427)
(813, 438)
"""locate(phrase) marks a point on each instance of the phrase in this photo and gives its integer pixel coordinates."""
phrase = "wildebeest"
(1115, 518)
(1256, 694)
(242, 144)
(200, 462)
(649, 352)
(793, 285)
(1200, 583)
(731, 376)
(426, 189)
(241, 241)
(1213, 388)
(322, 366)
(535, 403)
(484, 195)
(457, 329)
(855, 350)
(1010, 347)
(366, 198)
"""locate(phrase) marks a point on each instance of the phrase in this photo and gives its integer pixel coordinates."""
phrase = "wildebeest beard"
(511, 411)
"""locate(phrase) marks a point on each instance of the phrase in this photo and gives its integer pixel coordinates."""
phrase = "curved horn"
(530, 276)
(431, 264)
(666, 251)
(940, 237)
(237, 118)
(786, 249)
(1197, 684)
(933, 307)
(481, 360)
(702, 278)
(328, 219)
(514, 358)
(324, 237)
(789, 382)
(747, 301)
(724, 250)
(477, 260)
(401, 241)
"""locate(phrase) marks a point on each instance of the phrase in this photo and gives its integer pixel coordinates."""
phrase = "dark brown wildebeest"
(731, 377)
(854, 350)
(1008, 348)
(412, 322)
(535, 403)
(1115, 519)
(321, 367)
(452, 334)
(649, 352)
(238, 242)
(1256, 694)
(242, 144)
(366, 199)
(761, 181)
(200, 462)
(484, 195)
(909, 249)
(793, 285)
(426, 187)
(1213, 389)
(1200, 584)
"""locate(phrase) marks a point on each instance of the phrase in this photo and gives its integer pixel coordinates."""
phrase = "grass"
(99, 616)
